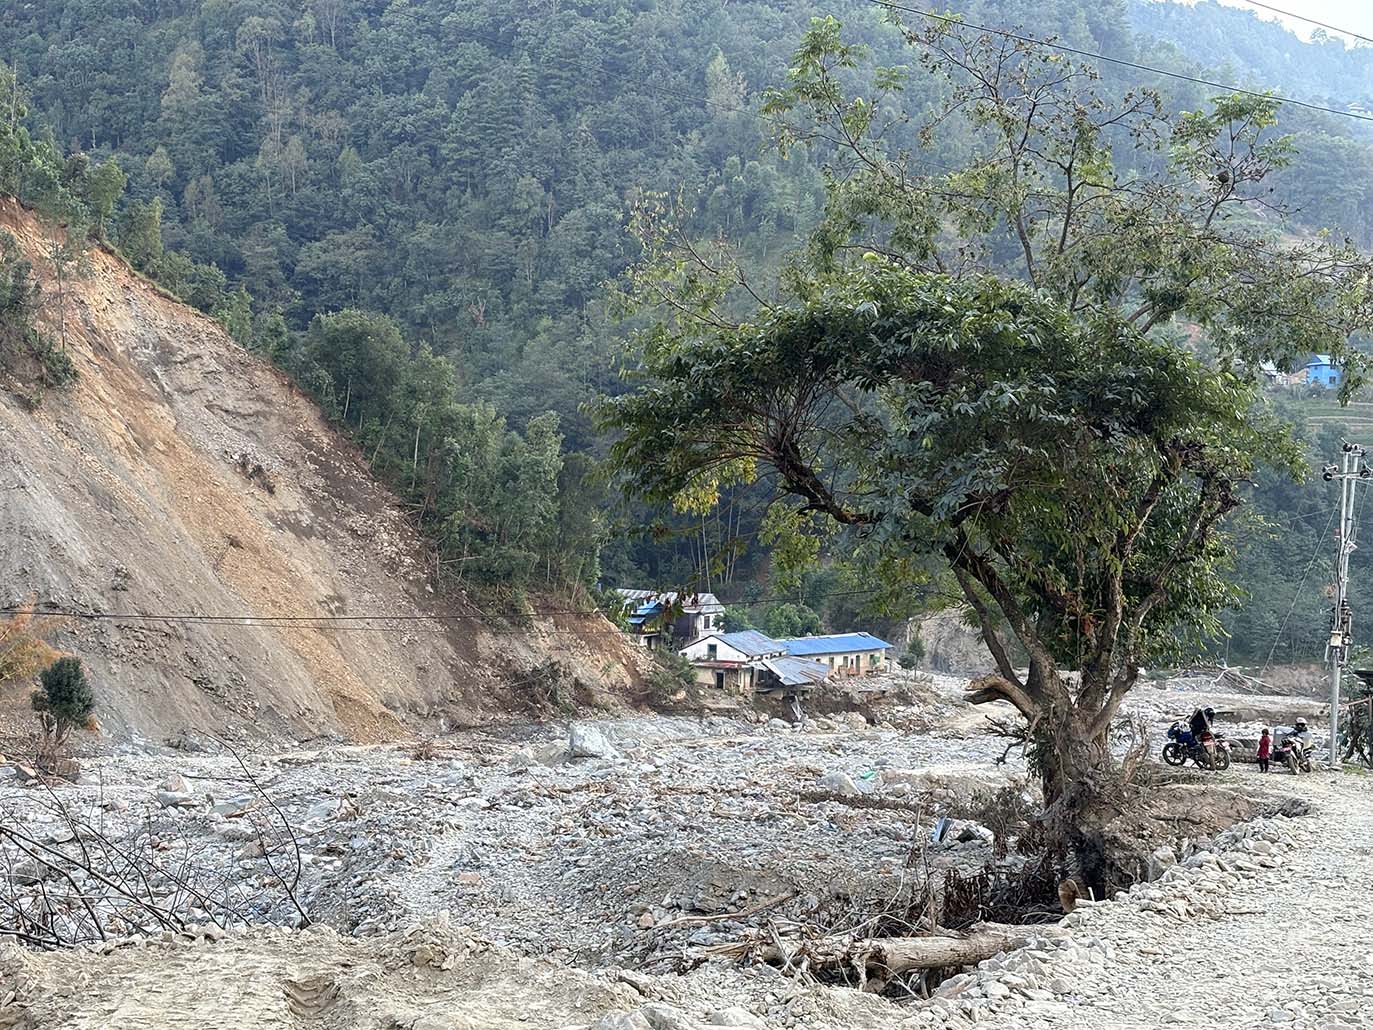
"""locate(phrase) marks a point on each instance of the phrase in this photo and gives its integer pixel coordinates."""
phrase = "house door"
(719, 680)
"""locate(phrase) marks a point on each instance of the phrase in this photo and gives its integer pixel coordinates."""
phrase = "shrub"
(65, 697)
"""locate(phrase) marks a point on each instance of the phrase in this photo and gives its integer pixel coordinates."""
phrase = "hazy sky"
(1354, 15)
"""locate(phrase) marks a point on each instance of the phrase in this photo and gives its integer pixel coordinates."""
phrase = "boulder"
(666, 1017)
(232, 808)
(968, 832)
(734, 1016)
(622, 1021)
(1160, 861)
(840, 783)
(585, 741)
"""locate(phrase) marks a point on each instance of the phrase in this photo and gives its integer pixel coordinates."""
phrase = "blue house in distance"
(1321, 372)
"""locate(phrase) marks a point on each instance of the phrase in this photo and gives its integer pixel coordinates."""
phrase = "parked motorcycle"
(1184, 747)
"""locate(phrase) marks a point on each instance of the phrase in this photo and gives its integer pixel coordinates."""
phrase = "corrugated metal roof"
(752, 643)
(748, 641)
(705, 603)
(836, 643)
(797, 672)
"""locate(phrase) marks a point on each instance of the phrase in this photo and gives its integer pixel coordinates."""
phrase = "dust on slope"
(137, 491)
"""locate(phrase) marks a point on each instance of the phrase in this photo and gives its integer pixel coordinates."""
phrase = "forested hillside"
(415, 207)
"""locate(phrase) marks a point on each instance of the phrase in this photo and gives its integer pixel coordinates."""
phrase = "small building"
(732, 661)
(655, 614)
(846, 654)
(789, 676)
(1322, 371)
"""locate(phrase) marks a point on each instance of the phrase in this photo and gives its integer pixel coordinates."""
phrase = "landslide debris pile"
(181, 474)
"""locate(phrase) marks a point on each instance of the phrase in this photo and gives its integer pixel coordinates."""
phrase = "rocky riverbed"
(622, 859)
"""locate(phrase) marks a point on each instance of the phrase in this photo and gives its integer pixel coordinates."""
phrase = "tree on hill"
(978, 370)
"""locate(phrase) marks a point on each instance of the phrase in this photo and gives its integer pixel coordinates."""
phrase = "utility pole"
(1351, 470)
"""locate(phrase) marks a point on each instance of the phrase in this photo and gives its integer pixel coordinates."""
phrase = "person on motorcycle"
(1302, 735)
(1200, 725)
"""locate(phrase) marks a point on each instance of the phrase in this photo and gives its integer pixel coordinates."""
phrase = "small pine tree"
(65, 698)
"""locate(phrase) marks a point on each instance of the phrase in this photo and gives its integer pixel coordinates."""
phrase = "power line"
(959, 22)
(1309, 21)
(351, 621)
(1296, 594)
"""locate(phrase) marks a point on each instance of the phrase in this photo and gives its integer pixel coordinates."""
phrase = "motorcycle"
(1184, 747)
(1291, 754)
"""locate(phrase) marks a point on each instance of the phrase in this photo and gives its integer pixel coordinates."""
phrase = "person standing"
(1265, 749)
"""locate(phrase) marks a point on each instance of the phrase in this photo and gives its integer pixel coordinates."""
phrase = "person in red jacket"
(1265, 749)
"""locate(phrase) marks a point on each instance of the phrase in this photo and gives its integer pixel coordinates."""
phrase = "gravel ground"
(1264, 931)
(595, 885)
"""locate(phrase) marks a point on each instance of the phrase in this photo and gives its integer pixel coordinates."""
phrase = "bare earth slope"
(127, 493)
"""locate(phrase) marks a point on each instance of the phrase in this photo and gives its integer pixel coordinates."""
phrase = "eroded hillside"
(182, 475)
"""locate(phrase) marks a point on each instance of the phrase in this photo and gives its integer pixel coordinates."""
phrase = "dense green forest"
(416, 207)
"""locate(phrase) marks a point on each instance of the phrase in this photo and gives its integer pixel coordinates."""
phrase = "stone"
(175, 799)
(174, 783)
(585, 741)
(778, 724)
(622, 1021)
(1160, 861)
(970, 832)
(840, 783)
(232, 808)
(1279, 1016)
(734, 1016)
(666, 1017)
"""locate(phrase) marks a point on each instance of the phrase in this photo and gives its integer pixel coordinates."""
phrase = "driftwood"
(888, 956)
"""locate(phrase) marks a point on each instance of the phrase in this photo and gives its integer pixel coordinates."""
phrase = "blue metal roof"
(837, 643)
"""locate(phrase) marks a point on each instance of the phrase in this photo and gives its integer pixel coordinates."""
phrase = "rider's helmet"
(1301, 724)
(1210, 714)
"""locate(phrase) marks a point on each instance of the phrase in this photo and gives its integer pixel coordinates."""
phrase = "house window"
(1332, 380)
(872, 659)
(712, 652)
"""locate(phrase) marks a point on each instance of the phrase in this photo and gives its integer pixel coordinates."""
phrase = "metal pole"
(1350, 472)
(1336, 635)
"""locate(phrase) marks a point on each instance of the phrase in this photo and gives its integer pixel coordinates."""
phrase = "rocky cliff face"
(181, 475)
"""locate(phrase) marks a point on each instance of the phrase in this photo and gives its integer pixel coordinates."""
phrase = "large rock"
(1160, 861)
(585, 741)
(840, 783)
(622, 1021)
(734, 1016)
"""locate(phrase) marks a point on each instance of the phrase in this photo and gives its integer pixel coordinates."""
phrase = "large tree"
(1033, 368)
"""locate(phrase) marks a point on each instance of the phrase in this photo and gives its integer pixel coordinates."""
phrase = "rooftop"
(835, 643)
(692, 603)
(748, 641)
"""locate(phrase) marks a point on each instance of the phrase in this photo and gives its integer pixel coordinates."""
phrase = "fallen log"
(893, 955)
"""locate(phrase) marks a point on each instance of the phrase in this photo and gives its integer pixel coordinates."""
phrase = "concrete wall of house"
(699, 651)
(731, 679)
(854, 663)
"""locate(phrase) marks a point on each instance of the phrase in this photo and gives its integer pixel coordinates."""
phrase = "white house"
(730, 661)
(847, 654)
(654, 614)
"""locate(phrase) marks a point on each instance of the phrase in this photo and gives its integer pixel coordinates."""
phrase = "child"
(1265, 749)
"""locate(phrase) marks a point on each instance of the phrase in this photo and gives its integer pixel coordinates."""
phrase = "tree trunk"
(1077, 774)
(895, 955)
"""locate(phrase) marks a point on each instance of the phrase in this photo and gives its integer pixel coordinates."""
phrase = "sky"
(1354, 15)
